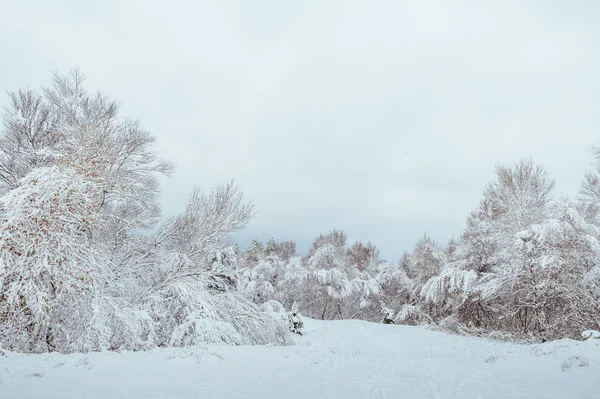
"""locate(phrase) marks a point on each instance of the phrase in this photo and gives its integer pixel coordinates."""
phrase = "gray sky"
(384, 119)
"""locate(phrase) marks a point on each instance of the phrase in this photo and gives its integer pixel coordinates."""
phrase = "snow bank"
(337, 359)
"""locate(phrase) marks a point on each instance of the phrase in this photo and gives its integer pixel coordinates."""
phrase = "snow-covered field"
(335, 359)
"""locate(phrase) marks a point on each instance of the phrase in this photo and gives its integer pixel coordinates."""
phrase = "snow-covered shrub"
(388, 314)
(295, 323)
(185, 314)
(412, 315)
(130, 328)
(590, 334)
(189, 300)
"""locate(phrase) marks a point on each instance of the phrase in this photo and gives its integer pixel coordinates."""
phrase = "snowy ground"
(339, 359)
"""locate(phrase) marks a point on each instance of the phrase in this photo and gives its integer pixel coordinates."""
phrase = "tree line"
(87, 261)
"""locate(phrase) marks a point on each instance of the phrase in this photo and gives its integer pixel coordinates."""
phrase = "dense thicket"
(527, 265)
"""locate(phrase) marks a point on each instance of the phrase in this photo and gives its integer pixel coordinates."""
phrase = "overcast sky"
(384, 119)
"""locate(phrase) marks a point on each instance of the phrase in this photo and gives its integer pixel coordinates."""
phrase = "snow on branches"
(80, 267)
(87, 263)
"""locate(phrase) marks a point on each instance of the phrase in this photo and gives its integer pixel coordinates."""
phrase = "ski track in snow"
(334, 359)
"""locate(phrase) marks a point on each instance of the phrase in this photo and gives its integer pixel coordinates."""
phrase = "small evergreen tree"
(295, 322)
(271, 249)
(388, 314)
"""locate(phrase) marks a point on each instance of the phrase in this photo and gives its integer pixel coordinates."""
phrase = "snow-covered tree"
(335, 238)
(466, 285)
(365, 257)
(546, 288)
(286, 250)
(58, 277)
(77, 271)
(290, 287)
(260, 282)
(514, 201)
(589, 193)
(66, 122)
(254, 254)
(51, 274)
(188, 299)
(271, 248)
(395, 285)
(333, 288)
(426, 260)
(327, 283)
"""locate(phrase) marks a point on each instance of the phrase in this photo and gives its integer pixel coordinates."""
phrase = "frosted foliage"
(449, 281)
(286, 250)
(50, 276)
(480, 247)
(87, 263)
(327, 284)
(335, 239)
(334, 289)
(65, 124)
(517, 199)
(259, 283)
(388, 314)
(54, 278)
(130, 327)
(207, 221)
(185, 315)
(335, 282)
(193, 296)
(426, 260)
(520, 194)
(547, 280)
(363, 256)
(545, 288)
(327, 257)
(223, 259)
(412, 315)
(527, 264)
(589, 193)
(291, 284)
(395, 283)
(254, 254)
(79, 269)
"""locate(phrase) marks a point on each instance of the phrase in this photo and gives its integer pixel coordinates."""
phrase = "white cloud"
(383, 118)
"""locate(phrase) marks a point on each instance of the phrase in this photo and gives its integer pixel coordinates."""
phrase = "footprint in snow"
(84, 362)
(574, 361)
